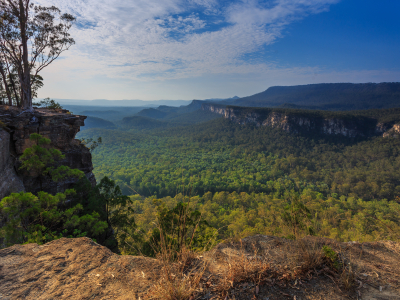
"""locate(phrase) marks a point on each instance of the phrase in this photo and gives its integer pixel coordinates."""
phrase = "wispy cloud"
(169, 39)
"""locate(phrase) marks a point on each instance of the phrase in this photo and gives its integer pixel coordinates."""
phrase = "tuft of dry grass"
(347, 277)
(304, 256)
(245, 269)
(180, 278)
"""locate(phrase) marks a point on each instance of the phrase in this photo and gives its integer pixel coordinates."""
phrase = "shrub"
(38, 219)
(48, 103)
(332, 256)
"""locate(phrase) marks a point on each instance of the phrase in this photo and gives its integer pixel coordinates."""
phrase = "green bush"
(332, 256)
(38, 219)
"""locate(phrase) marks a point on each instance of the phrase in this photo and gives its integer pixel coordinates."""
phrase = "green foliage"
(240, 215)
(222, 156)
(177, 228)
(332, 256)
(40, 160)
(48, 103)
(36, 158)
(243, 176)
(295, 216)
(101, 213)
(114, 208)
(117, 209)
(38, 219)
(62, 172)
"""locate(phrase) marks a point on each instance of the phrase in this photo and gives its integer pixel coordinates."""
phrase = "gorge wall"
(296, 121)
(60, 127)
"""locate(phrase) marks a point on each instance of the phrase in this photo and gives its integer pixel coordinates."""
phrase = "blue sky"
(197, 49)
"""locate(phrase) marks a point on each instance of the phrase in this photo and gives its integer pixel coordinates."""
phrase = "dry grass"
(244, 269)
(298, 260)
(304, 256)
(347, 277)
(180, 278)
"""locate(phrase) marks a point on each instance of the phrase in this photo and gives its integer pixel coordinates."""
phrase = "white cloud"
(154, 39)
(182, 49)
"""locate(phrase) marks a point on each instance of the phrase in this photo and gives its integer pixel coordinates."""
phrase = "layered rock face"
(57, 125)
(295, 122)
(393, 132)
(9, 180)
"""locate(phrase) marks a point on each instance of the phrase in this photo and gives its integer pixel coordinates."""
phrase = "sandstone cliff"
(57, 125)
(296, 121)
(9, 180)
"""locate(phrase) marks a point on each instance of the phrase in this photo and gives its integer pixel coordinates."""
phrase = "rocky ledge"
(59, 126)
(81, 269)
(296, 121)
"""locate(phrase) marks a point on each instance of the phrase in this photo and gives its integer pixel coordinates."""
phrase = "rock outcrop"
(60, 127)
(10, 182)
(71, 269)
(393, 132)
(306, 121)
(81, 269)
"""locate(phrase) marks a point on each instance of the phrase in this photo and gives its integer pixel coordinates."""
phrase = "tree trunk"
(26, 100)
(14, 90)
(3, 74)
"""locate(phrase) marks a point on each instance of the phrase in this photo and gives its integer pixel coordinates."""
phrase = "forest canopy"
(222, 156)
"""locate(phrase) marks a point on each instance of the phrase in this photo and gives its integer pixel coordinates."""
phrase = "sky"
(199, 49)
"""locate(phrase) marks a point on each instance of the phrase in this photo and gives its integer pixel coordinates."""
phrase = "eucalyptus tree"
(4, 77)
(31, 38)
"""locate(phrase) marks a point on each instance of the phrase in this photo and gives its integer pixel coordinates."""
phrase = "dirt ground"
(81, 269)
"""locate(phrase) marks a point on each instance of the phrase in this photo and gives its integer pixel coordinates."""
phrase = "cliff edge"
(347, 124)
(59, 126)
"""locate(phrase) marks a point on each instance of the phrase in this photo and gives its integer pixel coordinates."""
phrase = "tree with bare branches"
(31, 38)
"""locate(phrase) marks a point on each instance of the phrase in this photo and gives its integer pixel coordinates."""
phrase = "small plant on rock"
(41, 160)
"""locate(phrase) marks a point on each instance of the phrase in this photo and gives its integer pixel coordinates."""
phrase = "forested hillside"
(94, 122)
(168, 120)
(222, 156)
(244, 179)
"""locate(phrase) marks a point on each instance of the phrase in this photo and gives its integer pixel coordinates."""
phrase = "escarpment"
(60, 127)
(307, 121)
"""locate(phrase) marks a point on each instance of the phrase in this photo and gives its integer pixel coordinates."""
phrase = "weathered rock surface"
(81, 269)
(309, 122)
(9, 180)
(393, 132)
(71, 269)
(57, 125)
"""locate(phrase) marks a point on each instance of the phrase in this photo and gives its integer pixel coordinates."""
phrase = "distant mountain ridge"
(325, 96)
(123, 103)
(135, 103)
